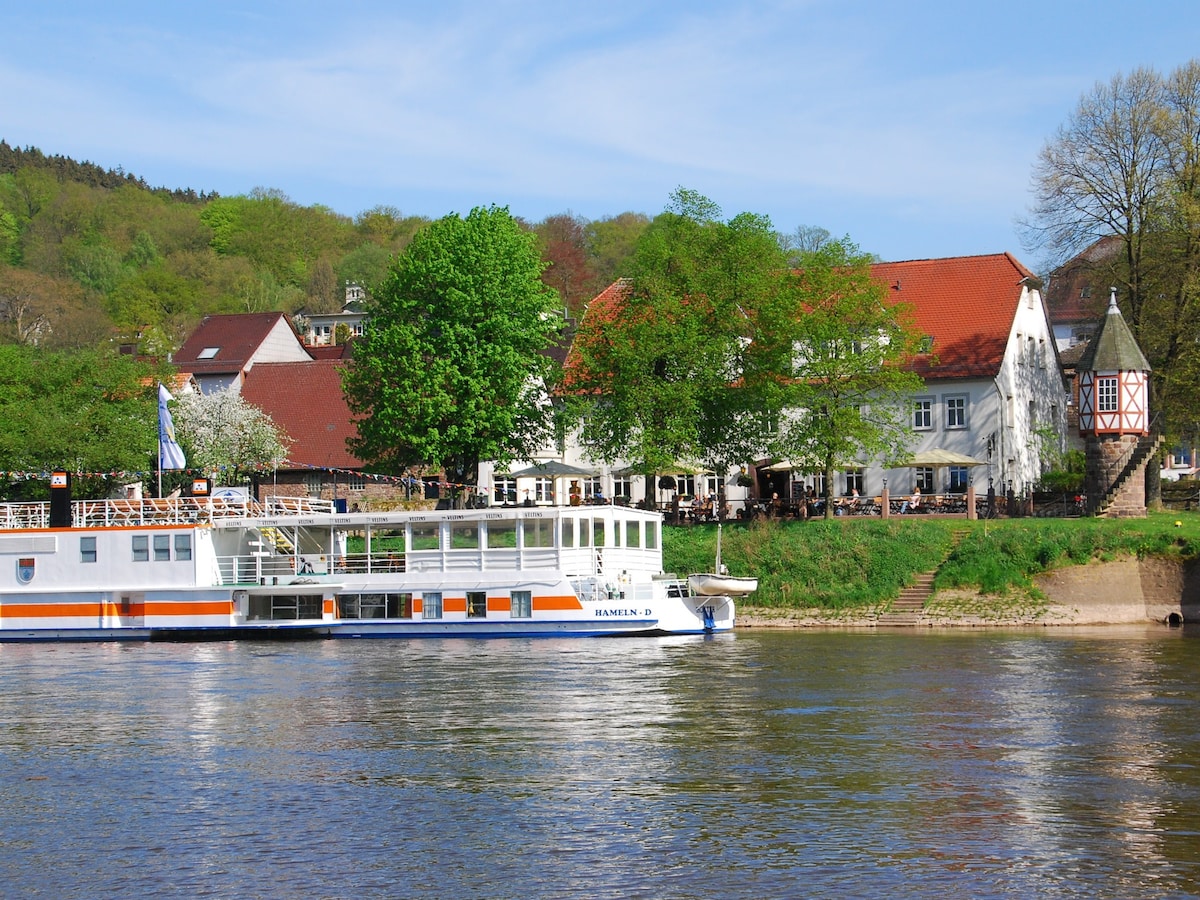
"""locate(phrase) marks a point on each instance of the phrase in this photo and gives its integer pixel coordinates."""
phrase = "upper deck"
(165, 511)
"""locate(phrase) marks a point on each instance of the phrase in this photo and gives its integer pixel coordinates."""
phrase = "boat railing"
(296, 506)
(275, 568)
(118, 512)
(19, 516)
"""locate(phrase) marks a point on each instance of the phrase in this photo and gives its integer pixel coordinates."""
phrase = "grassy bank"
(853, 563)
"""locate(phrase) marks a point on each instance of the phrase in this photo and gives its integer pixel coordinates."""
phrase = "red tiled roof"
(305, 400)
(330, 351)
(236, 336)
(967, 304)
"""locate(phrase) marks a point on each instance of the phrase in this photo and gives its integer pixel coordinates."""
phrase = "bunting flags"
(170, 454)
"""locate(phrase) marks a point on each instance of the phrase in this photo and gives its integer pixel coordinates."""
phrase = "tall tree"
(92, 413)
(1125, 164)
(827, 362)
(1103, 173)
(452, 367)
(563, 243)
(654, 376)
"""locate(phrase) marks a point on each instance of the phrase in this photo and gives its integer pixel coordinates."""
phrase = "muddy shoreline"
(1122, 592)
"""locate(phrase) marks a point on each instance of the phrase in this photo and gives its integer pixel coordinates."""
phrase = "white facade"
(1011, 421)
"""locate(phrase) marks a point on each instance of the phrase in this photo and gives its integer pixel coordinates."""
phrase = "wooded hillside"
(95, 257)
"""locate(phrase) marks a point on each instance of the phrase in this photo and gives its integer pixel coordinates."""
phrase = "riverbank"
(1120, 592)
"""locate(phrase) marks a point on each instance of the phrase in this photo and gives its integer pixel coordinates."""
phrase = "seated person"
(913, 503)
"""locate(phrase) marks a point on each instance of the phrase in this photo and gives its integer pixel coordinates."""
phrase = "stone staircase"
(1133, 468)
(905, 611)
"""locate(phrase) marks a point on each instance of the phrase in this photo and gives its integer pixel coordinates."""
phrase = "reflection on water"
(1054, 763)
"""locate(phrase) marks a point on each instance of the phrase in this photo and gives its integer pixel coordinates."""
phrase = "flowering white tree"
(224, 434)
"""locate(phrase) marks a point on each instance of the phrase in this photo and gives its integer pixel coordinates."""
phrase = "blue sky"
(911, 127)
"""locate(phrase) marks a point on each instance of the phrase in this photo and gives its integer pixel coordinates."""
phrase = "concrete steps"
(905, 611)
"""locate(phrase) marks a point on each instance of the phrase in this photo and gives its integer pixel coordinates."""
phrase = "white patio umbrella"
(554, 470)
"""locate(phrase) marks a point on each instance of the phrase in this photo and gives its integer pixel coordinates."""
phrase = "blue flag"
(170, 454)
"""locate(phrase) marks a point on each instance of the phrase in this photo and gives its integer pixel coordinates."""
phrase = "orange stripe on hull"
(556, 603)
(91, 610)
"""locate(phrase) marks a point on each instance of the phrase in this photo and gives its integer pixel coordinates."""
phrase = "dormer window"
(208, 353)
(926, 345)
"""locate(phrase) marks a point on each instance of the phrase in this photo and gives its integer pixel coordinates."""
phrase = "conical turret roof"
(1114, 348)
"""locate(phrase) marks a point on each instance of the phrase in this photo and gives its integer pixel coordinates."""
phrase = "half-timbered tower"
(1114, 392)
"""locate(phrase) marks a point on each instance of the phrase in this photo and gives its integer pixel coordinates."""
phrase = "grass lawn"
(850, 563)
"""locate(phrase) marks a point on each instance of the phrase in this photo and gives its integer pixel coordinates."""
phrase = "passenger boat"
(222, 568)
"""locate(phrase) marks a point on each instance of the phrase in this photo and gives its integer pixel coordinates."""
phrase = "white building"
(993, 391)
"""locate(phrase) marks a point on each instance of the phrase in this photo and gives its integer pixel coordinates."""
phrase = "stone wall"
(1106, 460)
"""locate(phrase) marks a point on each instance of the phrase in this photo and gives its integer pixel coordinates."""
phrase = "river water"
(1050, 763)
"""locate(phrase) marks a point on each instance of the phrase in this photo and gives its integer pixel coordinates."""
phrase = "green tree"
(655, 373)
(452, 368)
(828, 364)
(610, 244)
(93, 413)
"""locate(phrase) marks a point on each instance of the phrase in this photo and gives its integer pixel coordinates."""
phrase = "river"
(1049, 762)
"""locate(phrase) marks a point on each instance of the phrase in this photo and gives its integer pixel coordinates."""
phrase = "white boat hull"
(712, 585)
(182, 570)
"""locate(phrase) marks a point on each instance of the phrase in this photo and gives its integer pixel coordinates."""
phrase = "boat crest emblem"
(25, 570)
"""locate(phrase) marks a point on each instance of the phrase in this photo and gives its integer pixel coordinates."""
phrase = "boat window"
(502, 534)
(598, 532)
(652, 535)
(375, 606)
(424, 536)
(464, 535)
(632, 535)
(399, 606)
(141, 548)
(568, 532)
(539, 533)
(162, 548)
(285, 606)
(431, 605)
(476, 604)
(522, 605)
(585, 532)
(183, 547)
(87, 549)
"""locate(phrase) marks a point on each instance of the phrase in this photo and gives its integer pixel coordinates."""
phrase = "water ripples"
(754, 765)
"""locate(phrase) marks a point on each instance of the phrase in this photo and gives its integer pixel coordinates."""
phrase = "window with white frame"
(956, 411)
(431, 605)
(923, 478)
(543, 489)
(504, 490)
(1106, 394)
(591, 487)
(958, 479)
(923, 414)
(685, 485)
(854, 481)
(356, 482)
(622, 486)
(141, 548)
